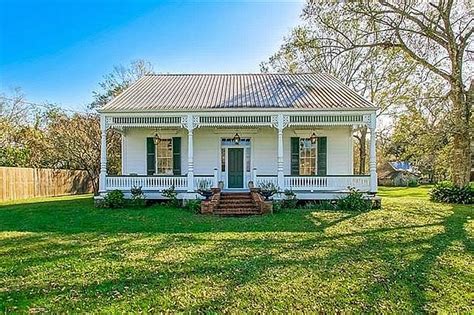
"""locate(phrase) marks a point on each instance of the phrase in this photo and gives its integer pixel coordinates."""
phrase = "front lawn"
(62, 254)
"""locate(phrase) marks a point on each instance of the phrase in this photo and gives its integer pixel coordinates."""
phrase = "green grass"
(62, 254)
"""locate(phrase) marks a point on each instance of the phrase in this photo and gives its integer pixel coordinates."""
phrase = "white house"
(293, 130)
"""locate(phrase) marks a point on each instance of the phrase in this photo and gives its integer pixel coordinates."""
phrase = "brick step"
(237, 198)
(237, 194)
(226, 205)
(237, 211)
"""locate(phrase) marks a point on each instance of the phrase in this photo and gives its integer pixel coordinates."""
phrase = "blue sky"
(58, 50)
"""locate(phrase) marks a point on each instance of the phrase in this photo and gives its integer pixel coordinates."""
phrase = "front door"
(236, 167)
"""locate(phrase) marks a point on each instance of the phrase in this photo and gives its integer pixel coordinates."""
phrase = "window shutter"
(176, 155)
(295, 156)
(150, 156)
(322, 155)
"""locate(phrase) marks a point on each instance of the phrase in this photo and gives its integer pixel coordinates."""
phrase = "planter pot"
(266, 194)
(205, 193)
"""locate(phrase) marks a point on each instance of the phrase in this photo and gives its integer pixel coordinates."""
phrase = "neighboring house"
(398, 174)
(232, 130)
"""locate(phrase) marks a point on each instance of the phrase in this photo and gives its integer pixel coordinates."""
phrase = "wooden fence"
(20, 183)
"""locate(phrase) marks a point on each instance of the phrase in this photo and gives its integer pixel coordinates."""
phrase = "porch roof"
(175, 92)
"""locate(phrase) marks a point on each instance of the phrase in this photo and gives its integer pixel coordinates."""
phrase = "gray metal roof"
(311, 91)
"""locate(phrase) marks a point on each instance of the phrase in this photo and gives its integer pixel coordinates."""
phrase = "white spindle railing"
(333, 183)
(146, 182)
(209, 180)
(265, 180)
(296, 183)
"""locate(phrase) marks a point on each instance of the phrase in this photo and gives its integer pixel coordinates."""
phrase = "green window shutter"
(322, 155)
(150, 156)
(176, 156)
(295, 156)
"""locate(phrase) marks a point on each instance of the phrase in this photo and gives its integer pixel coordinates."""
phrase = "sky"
(58, 51)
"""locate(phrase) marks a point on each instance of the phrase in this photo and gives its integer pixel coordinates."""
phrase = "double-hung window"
(164, 157)
(308, 157)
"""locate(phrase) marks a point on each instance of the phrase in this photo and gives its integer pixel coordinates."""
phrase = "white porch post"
(373, 158)
(190, 127)
(280, 126)
(103, 155)
(215, 183)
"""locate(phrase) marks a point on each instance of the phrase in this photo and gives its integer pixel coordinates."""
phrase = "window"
(223, 160)
(247, 159)
(164, 157)
(308, 157)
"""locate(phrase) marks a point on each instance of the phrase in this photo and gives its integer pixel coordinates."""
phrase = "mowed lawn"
(62, 254)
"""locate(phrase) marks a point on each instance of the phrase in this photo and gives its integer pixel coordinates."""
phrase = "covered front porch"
(201, 149)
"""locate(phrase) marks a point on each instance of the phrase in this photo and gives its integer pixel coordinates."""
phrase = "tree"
(435, 35)
(21, 132)
(381, 77)
(75, 144)
(118, 80)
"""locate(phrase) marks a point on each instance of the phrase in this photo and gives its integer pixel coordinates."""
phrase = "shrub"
(354, 201)
(193, 205)
(205, 185)
(204, 188)
(113, 199)
(413, 183)
(138, 197)
(449, 193)
(277, 206)
(290, 201)
(267, 190)
(172, 196)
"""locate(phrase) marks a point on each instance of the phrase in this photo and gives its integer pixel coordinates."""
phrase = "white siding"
(264, 148)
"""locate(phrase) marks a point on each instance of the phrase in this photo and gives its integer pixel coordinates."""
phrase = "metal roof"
(310, 91)
(402, 166)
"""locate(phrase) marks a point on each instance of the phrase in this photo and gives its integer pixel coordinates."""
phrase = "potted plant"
(267, 190)
(204, 188)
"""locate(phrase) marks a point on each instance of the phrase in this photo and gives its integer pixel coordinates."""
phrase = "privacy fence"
(20, 183)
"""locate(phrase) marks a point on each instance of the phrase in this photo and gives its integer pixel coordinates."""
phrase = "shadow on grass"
(80, 216)
(105, 268)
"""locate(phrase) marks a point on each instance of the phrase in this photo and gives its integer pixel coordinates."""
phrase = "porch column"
(103, 155)
(280, 126)
(190, 127)
(373, 158)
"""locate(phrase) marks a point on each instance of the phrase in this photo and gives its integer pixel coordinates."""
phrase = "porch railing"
(296, 183)
(266, 179)
(146, 182)
(332, 183)
(208, 179)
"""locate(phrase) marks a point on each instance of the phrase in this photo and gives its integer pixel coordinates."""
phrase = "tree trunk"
(461, 164)
(362, 150)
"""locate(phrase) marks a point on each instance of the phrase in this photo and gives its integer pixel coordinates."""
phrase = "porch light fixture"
(313, 138)
(236, 138)
(156, 138)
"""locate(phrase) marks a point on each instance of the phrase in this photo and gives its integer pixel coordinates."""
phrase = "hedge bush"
(113, 199)
(354, 201)
(447, 192)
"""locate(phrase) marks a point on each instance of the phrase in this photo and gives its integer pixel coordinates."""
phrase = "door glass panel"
(247, 159)
(223, 160)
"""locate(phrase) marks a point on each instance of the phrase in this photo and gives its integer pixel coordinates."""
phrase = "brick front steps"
(235, 204)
